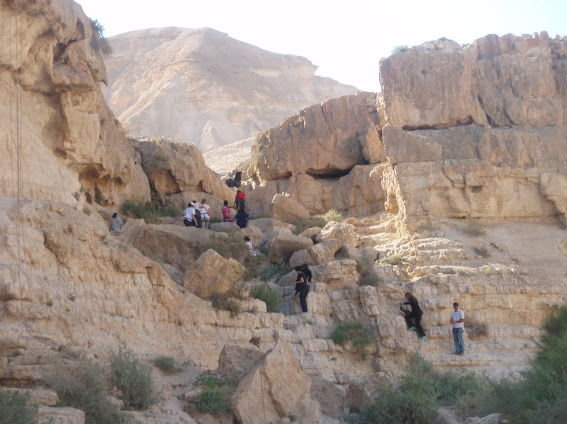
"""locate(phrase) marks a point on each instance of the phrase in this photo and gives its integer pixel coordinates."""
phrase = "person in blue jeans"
(458, 321)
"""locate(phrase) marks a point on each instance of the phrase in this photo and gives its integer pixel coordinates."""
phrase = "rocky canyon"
(450, 184)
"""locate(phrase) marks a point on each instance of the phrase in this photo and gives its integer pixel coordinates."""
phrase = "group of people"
(413, 321)
(197, 214)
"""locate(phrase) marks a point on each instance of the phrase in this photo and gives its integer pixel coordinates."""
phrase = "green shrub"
(215, 396)
(303, 224)
(482, 252)
(271, 297)
(148, 211)
(16, 408)
(232, 246)
(543, 390)
(393, 259)
(272, 270)
(223, 302)
(253, 266)
(98, 40)
(368, 275)
(166, 364)
(133, 379)
(332, 215)
(420, 392)
(85, 387)
(354, 332)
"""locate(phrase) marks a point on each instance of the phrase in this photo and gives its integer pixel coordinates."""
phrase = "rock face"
(201, 86)
(490, 135)
(323, 158)
(276, 388)
(212, 274)
(177, 174)
(70, 144)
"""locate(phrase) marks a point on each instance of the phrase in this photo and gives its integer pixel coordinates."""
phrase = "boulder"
(322, 140)
(300, 257)
(344, 232)
(284, 243)
(236, 361)
(50, 415)
(311, 232)
(212, 274)
(324, 251)
(336, 274)
(275, 388)
(287, 209)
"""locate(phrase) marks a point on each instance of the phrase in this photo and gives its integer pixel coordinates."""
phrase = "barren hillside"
(204, 87)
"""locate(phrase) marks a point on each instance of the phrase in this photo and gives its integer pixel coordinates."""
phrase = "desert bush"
(355, 333)
(224, 302)
(215, 395)
(148, 211)
(301, 225)
(400, 48)
(232, 246)
(368, 275)
(16, 408)
(393, 259)
(476, 329)
(482, 252)
(420, 392)
(85, 387)
(270, 296)
(166, 364)
(473, 229)
(98, 40)
(133, 379)
(272, 270)
(332, 215)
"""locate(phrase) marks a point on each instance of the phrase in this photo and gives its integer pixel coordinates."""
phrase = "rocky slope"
(71, 291)
(203, 87)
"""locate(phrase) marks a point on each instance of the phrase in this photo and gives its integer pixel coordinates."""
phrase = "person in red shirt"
(239, 200)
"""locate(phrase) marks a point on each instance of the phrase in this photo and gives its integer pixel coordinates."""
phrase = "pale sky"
(344, 39)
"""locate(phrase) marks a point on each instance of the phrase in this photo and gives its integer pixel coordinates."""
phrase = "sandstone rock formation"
(223, 160)
(203, 87)
(177, 174)
(274, 389)
(212, 274)
(323, 157)
(477, 131)
(61, 140)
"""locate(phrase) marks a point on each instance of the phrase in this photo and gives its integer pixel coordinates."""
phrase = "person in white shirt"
(251, 246)
(189, 215)
(458, 321)
(205, 217)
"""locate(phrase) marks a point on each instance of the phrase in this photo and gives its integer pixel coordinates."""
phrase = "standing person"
(116, 224)
(239, 200)
(205, 217)
(251, 246)
(197, 215)
(241, 218)
(458, 321)
(189, 215)
(304, 276)
(226, 215)
(415, 314)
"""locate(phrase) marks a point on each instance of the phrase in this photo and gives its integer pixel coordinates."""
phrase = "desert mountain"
(204, 87)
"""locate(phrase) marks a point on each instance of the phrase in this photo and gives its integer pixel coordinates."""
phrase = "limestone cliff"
(59, 136)
(479, 130)
(203, 87)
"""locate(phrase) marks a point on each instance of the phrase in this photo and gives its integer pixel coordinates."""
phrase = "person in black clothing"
(241, 218)
(302, 284)
(413, 317)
